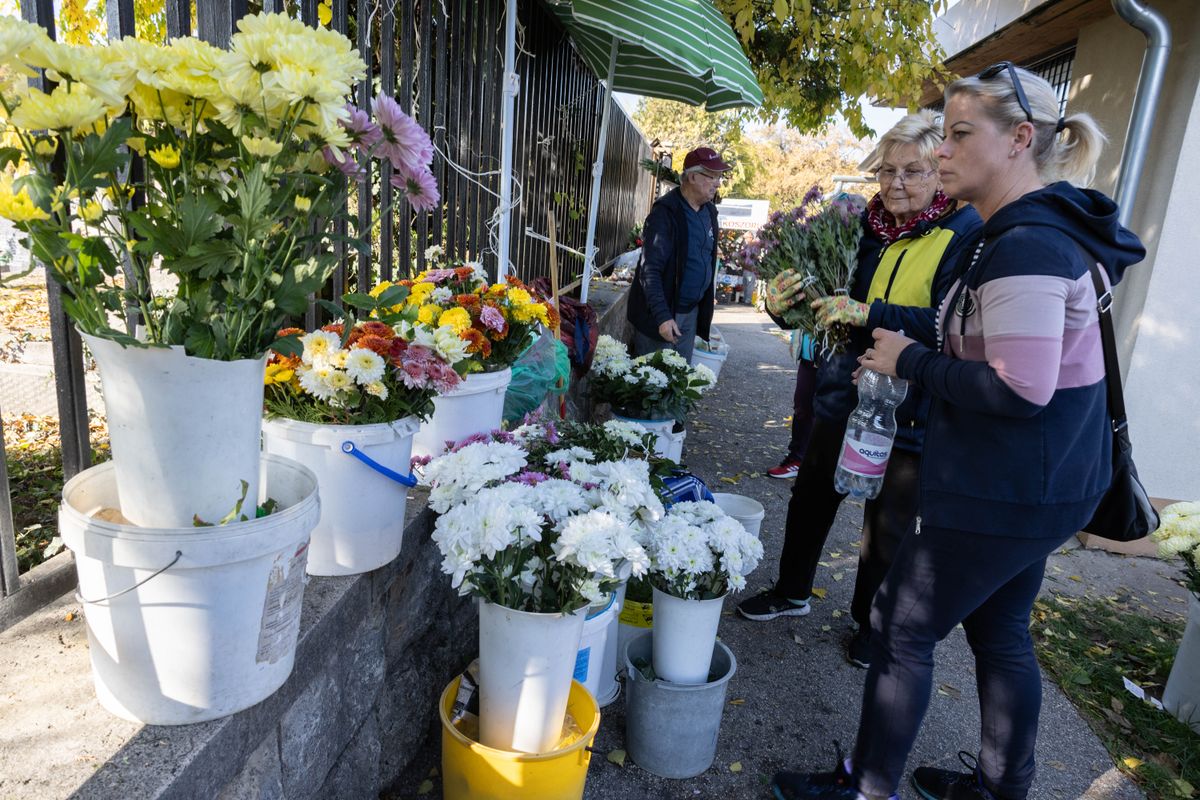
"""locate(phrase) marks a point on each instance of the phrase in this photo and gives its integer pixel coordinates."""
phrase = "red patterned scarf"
(888, 230)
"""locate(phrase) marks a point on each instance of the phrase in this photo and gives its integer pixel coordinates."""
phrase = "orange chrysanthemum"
(333, 327)
(478, 342)
(290, 332)
(462, 273)
(466, 300)
(376, 344)
(377, 328)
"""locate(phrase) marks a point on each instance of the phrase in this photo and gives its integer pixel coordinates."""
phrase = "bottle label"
(865, 458)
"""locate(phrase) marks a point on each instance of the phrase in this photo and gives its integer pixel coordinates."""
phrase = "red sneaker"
(788, 469)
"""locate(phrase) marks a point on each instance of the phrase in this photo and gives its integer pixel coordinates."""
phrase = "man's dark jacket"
(655, 290)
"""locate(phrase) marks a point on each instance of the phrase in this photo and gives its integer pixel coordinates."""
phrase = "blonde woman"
(1017, 448)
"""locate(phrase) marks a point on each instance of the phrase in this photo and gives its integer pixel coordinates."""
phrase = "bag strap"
(1108, 340)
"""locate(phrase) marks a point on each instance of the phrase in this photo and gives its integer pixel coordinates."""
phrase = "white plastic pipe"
(512, 82)
(597, 173)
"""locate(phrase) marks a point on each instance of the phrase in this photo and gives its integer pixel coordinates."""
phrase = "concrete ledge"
(375, 650)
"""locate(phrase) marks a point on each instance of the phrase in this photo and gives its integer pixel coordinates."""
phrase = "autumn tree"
(815, 59)
(787, 163)
(685, 127)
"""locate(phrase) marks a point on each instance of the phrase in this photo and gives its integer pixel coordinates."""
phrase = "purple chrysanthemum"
(403, 141)
(420, 187)
(345, 163)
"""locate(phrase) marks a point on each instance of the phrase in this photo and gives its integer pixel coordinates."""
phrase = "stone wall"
(374, 654)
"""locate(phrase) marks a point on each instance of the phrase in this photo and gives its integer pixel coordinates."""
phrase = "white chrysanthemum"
(456, 477)
(630, 433)
(559, 499)
(651, 376)
(1179, 529)
(364, 366)
(524, 434)
(631, 377)
(449, 345)
(338, 380)
(441, 295)
(434, 253)
(673, 359)
(319, 345)
(377, 389)
(569, 454)
(313, 380)
(702, 378)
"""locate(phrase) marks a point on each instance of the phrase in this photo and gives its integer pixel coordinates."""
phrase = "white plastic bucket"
(609, 686)
(525, 665)
(590, 664)
(1182, 693)
(190, 624)
(745, 510)
(684, 634)
(667, 444)
(714, 359)
(184, 431)
(475, 406)
(362, 509)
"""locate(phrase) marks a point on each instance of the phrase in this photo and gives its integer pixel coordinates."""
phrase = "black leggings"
(813, 507)
(943, 577)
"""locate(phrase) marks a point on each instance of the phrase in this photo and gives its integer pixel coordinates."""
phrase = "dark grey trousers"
(643, 344)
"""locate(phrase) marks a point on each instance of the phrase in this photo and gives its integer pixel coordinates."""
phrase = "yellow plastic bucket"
(471, 771)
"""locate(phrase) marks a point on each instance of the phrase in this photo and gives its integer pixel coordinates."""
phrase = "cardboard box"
(1139, 547)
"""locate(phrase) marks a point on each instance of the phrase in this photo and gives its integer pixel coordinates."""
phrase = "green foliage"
(1089, 645)
(817, 58)
(683, 128)
(787, 163)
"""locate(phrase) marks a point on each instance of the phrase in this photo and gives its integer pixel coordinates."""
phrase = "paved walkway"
(794, 692)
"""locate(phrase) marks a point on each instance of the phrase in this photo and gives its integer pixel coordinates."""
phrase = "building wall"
(1156, 314)
(967, 22)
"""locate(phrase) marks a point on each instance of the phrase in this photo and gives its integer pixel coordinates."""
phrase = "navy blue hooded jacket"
(1018, 442)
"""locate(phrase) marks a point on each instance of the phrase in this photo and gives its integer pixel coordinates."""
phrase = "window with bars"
(1056, 70)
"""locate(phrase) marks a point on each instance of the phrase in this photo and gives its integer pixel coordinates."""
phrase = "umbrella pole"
(597, 172)
(507, 133)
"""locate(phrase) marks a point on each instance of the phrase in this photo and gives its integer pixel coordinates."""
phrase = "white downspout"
(508, 114)
(589, 249)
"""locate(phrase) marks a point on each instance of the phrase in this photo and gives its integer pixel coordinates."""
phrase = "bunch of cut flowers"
(496, 320)
(362, 373)
(659, 385)
(819, 241)
(1178, 534)
(698, 552)
(530, 524)
(242, 150)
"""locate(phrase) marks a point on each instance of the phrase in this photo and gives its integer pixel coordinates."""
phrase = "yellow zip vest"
(906, 269)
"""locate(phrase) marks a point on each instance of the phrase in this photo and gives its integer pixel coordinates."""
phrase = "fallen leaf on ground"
(1132, 763)
(797, 638)
(820, 593)
(824, 564)
(425, 788)
(837, 576)
(735, 766)
(949, 691)
(826, 628)
(837, 614)
(1075, 578)
(834, 554)
(70, 617)
(737, 702)
(1058, 765)
(617, 757)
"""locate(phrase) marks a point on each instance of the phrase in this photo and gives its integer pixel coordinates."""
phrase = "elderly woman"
(1017, 453)
(912, 235)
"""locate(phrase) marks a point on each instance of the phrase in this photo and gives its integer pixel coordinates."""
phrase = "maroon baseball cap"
(705, 157)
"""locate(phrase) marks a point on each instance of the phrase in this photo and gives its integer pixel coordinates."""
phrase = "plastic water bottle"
(870, 433)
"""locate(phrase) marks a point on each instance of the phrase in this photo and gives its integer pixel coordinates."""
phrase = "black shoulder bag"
(1125, 513)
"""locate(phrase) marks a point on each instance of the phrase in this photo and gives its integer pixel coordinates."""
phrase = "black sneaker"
(769, 604)
(834, 785)
(932, 783)
(858, 652)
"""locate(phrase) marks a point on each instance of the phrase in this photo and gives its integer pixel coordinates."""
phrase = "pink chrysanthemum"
(363, 133)
(419, 187)
(492, 318)
(403, 141)
(345, 163)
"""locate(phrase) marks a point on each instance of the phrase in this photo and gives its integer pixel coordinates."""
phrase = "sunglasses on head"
(996, 69)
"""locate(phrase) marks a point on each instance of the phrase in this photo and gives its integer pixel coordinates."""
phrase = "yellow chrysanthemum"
(380, 288)
(519, 296)
(278, 373)
(66, 108)
(302, 203)
(428, 313)
(261, 146)
(419, 293)
(16, 39)
(84, 67)
(166, 156)
(91, 211)
(457, 318)
(498, 289)
(137, 144)
(18, 207)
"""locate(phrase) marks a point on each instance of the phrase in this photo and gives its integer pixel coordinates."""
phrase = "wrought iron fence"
(444, 61)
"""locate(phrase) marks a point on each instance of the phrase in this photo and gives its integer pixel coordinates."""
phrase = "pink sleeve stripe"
(1025, 305)
(1028, 365)
(1082, 358)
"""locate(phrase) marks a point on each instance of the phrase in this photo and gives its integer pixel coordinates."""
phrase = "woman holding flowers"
(912, 235)
(1017, 454)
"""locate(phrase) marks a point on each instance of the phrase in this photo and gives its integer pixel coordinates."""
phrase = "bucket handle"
(80, 599)
(405, 480)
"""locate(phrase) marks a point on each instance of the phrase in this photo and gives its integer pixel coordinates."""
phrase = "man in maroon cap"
(671, 300)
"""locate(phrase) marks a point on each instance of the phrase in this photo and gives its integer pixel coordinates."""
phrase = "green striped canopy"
(674, 49)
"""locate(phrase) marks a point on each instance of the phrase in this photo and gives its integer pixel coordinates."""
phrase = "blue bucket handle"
(405, 480)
